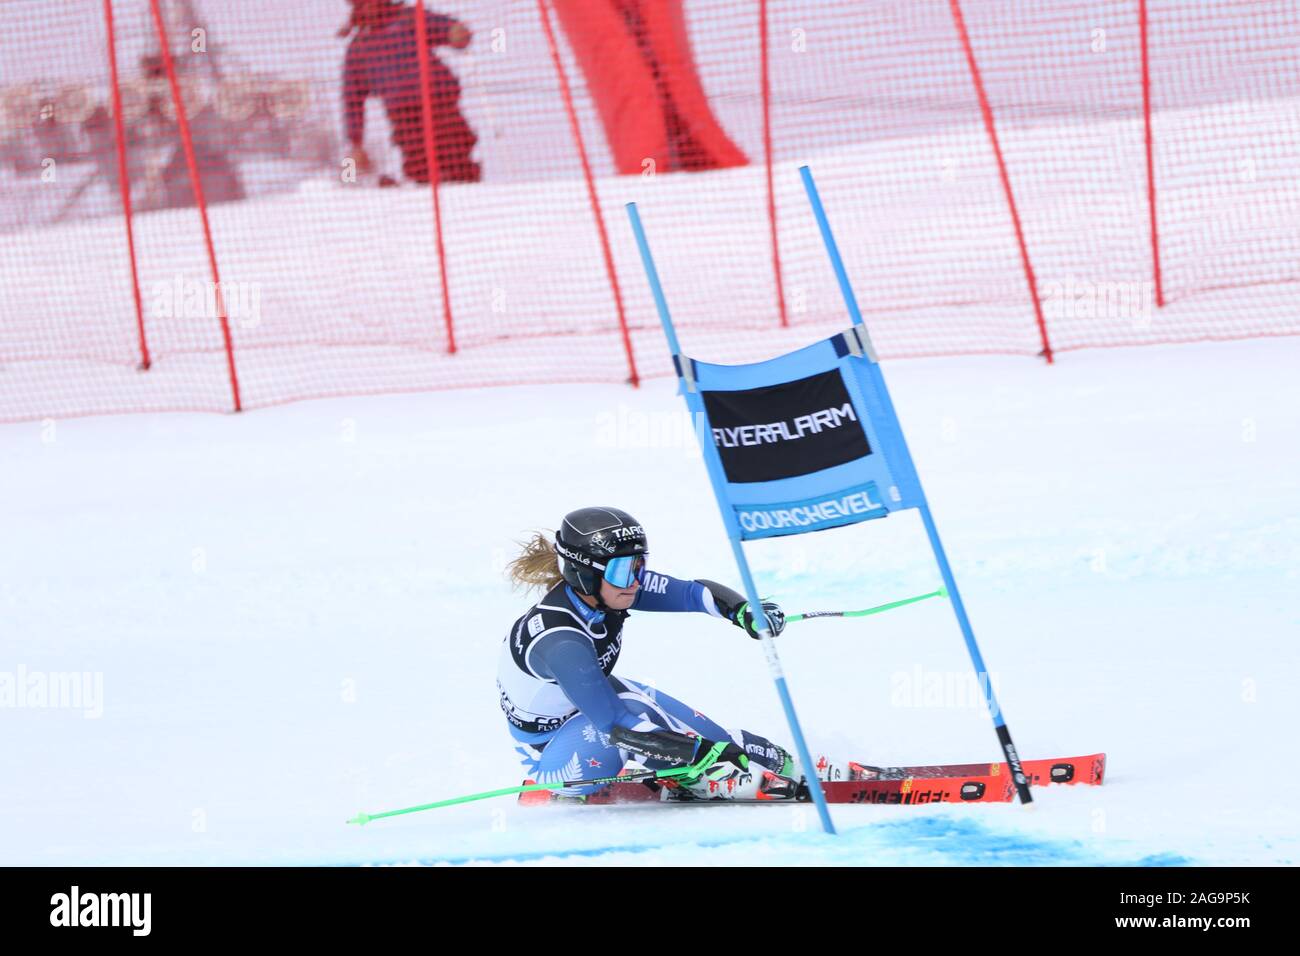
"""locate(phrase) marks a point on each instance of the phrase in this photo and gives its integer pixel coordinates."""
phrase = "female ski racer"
(572, 718)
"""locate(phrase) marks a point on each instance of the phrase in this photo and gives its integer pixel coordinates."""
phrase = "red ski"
(938, 783)
(957, 783)
(1089, 770)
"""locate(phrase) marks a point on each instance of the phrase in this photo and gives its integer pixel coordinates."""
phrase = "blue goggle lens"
(621, 572)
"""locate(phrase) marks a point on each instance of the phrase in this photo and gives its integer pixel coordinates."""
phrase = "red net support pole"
(767, 160)
(543, 10)
(187, 141)
(124, 185)
(426, 107)
(987, 112)
(1150, 148)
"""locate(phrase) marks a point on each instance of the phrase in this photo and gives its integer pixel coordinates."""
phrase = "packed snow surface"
(248, 628)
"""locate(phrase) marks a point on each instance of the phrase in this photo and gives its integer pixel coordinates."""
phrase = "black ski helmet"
(588, 538)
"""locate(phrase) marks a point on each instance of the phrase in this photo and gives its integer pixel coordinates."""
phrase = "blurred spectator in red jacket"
(640, 70)
(382, 60)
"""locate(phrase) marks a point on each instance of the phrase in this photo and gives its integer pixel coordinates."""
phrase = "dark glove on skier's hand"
(733, 606)
(744, 618)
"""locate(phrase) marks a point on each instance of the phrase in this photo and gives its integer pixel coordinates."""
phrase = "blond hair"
(535, 566)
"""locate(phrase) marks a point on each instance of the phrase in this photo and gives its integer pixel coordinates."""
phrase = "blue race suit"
(562, 702)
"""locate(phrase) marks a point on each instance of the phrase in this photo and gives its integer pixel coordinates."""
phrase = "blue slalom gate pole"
(751, 593)
(941, 558)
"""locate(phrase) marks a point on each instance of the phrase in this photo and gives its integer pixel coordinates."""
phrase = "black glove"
(744, 618)
(735, 609)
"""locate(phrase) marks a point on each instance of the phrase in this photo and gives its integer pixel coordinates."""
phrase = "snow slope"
(294, 614)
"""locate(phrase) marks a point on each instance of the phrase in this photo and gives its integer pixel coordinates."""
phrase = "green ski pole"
(688, 771)
(942, 592)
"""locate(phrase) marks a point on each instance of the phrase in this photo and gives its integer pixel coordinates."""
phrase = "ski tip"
(361, 819)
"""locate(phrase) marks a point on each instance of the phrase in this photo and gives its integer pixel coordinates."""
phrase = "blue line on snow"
(951, 840)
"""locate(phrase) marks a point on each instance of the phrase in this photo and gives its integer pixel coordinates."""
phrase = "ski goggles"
(621, 572)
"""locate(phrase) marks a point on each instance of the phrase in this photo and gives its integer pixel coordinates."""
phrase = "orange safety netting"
(207, 205)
